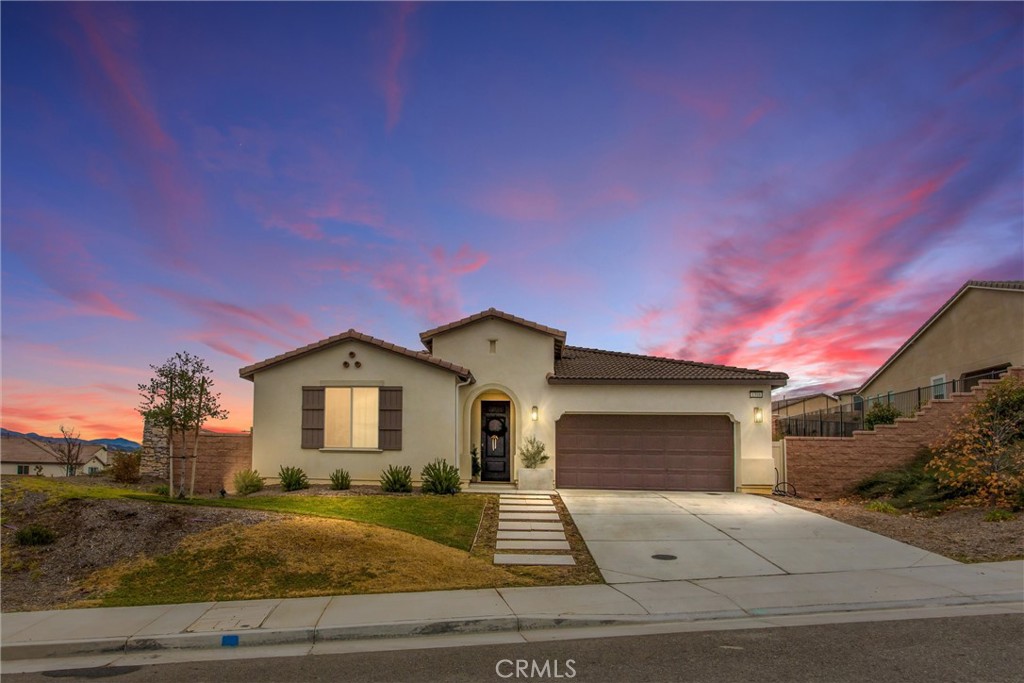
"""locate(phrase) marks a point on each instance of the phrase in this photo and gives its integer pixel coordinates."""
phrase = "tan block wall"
(822, 467)
(220, 456)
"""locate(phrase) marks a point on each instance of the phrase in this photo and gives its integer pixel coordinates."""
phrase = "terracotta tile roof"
(593, 366)
(422, 356)
(1014, 285)
(559, 335)
(19, 449)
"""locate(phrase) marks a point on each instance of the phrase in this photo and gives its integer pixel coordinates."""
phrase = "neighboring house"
(488, 381)
(798, 405)
(19, 455)
(848, 397)
(978, 332)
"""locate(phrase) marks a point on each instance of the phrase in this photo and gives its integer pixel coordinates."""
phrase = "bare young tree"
(69, 451)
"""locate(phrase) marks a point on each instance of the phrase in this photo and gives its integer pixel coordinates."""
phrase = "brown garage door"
(658, 452)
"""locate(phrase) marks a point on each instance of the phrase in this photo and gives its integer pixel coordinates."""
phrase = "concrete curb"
(433, 627)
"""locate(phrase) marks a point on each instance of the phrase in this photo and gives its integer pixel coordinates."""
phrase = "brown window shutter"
(312, 417)
(389, 426)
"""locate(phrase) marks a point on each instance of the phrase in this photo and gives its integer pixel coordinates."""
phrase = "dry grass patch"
(294, 557)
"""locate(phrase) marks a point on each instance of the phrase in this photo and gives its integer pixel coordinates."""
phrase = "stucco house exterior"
(488, 381)
(979, 331)
(20, 455)
(798, 405)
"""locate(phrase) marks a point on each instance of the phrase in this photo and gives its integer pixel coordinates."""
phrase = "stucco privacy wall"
(519, 367)
(220, 457)
(983, 328)
(428, 412)
(823, 467)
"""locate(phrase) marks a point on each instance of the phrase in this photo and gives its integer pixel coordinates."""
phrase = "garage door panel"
(667, 452)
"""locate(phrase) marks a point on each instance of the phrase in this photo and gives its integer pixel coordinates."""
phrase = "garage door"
(657, 452)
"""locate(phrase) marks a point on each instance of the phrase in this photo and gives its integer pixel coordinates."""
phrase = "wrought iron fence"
(843, 420)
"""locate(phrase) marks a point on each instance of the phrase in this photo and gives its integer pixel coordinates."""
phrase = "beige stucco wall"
(49, 469)
(983, 328)
(520, 367)
(428, 412)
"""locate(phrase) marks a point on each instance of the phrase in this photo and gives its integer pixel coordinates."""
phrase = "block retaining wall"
(220, 457)
(826, 467)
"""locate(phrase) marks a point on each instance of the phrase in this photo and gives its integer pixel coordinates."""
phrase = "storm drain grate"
(664, 557)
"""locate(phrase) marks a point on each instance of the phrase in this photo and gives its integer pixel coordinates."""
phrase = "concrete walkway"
(641, 536)
(69, 633)
(529, 522)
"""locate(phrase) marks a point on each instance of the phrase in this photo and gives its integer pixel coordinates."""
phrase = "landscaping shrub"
(981, 458)
(124, 467)
(441, 477)
(881, 414)
(292, 478)
(474, 462)
(912, 487)
(160, 490)
(882, 506)
(34, 534)
(998, 515)
(340, 480)
(532, 453)
(248, 481)
(396, 479)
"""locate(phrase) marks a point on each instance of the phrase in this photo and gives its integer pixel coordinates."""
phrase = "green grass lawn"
(450, 520)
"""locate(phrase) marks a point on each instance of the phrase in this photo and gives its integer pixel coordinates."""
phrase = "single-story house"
(20, 455)
(798, 405)
(489, 381)
(977, 333)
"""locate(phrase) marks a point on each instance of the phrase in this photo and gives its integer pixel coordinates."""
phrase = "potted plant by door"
(531, 475)
(474, 462)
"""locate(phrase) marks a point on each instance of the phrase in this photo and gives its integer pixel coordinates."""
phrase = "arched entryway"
(492, 431)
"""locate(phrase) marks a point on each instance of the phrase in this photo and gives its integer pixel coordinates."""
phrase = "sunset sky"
(794, 187)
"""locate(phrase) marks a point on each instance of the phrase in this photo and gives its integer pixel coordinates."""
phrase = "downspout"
(458, 427)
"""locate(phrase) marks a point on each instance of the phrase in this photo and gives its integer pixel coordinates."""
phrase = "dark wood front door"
(494, 435)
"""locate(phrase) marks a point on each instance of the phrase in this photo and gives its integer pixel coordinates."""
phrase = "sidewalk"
(67, 633)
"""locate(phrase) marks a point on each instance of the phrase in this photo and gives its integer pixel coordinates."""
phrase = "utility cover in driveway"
(655, 452)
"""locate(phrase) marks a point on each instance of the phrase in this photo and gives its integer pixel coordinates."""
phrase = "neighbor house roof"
(1012, 285)
(422, 356)
(19, 449)
(594, 366)
(793, 400)
(559, 335)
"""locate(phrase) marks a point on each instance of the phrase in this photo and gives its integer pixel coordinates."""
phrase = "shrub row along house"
(489, 381)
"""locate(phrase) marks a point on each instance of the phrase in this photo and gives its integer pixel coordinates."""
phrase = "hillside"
(111, 444)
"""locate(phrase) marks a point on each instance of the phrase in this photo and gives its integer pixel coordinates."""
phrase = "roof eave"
(773, 382)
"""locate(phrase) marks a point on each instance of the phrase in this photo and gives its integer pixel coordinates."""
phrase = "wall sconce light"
(758, 415)
(533, 413)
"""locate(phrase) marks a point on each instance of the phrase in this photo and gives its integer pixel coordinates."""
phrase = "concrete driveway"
(717, 535)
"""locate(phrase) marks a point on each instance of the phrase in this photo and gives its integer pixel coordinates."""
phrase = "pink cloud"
(392, 79)
(520, 203)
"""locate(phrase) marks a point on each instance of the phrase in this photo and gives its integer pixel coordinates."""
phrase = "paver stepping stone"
(529, 526)
(538, 516)
(532, 535)
(519, 544)
(526, 508)
(511, 558)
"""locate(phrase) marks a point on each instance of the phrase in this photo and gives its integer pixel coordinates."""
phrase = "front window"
(22, 469)
(939, 386)
(350, 417)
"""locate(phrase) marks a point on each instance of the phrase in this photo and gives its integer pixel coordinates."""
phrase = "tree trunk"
(170, 464)
(195, 444)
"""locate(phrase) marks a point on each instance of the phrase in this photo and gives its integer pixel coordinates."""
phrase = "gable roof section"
(593, 366)
(559, 335)
(18, 449)
(1012, 285)
(352, 335)
(786, 402)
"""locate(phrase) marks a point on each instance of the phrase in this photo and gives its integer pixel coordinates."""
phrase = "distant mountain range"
(111, 444)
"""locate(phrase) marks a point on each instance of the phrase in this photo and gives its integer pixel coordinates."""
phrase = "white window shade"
(364, 417)
(351, 417)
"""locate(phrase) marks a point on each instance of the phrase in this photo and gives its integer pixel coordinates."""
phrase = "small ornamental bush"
(124, 467)
(532, 453)
(981, 458)
(881, 414)
(441, 478)
(882, 506)
(340, 480)
(161, 490)
(292, 478)
(248, 481)
(34, 534)
(396, 479)
(998, 515)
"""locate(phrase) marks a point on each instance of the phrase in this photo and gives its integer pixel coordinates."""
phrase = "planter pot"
(536, 479)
